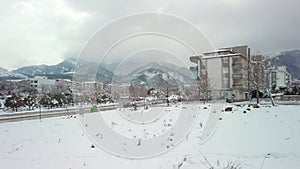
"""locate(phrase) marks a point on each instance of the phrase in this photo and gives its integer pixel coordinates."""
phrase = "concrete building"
(278, 78)
(123, 90)
(118, 91)
(86, 91)
(92, 87)
(42, 84)
(224, 73)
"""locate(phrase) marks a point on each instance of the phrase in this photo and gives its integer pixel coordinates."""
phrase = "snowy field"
(267, 137)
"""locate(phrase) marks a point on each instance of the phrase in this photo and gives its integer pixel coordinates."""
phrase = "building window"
(273, 77)
(225, 70)
(225, 60)
(225, 83)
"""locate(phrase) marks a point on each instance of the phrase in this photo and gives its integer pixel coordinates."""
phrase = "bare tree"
(257, 75)
(203, 83)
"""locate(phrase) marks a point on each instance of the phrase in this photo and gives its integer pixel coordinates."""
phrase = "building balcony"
(237, 85)
(226, 75)
(237, 76)
(237, 66)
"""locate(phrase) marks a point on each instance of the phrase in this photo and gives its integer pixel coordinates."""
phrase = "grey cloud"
(265, 25)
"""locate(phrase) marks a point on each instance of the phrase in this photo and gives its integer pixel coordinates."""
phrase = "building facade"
(42, 84)
(224, 73)
(278, 78)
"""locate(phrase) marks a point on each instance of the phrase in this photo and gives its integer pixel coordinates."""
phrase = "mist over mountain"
(90, 71)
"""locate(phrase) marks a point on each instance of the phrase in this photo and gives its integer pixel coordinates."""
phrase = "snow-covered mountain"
(153, 77)
(158, 75)
(6, 74)
(89, 71)
(64, 70)
(64, 67)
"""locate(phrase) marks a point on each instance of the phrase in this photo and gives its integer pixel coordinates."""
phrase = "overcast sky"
(47, 31)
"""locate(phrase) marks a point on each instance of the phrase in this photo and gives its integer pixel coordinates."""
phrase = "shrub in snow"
(256, 106)
(227, 109)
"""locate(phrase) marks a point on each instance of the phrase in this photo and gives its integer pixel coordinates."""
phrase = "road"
(11, 117)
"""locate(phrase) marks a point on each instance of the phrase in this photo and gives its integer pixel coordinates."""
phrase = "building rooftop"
(195, 59)
(218, 51)
(220, 56)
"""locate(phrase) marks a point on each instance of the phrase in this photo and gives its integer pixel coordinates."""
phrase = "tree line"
(16, 102)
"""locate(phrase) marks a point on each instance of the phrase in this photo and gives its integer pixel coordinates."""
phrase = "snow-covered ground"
(267, 137)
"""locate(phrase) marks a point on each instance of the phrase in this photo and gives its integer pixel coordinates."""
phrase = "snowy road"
(46, 113)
